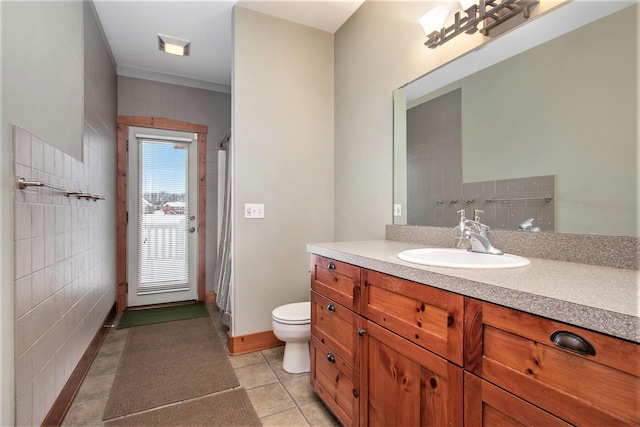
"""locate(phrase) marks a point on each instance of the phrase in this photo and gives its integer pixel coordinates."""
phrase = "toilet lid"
(296, 313)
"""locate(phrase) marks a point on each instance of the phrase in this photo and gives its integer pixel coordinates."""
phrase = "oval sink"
(461, 258)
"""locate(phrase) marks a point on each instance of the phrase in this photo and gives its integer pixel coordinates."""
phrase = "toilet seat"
(298, 313)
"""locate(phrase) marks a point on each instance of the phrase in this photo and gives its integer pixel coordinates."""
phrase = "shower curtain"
(223, 277)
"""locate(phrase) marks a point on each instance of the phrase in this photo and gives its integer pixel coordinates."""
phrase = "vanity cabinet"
(379, 347)
(388, 351)
(580, 376)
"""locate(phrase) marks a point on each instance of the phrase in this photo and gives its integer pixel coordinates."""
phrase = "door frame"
(157, 123)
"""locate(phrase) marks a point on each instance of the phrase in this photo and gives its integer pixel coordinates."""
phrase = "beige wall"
(282, 147)
(379, 49)
(65, 272)
(141, 97)
(42, 61)
(575, 119)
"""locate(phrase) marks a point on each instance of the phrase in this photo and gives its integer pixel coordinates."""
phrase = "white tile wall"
(65, 271)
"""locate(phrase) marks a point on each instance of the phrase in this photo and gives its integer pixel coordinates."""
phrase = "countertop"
(602, 299)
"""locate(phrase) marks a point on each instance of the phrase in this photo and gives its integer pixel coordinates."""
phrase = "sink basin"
(461, 258)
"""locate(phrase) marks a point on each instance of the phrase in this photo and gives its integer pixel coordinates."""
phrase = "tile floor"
(279, 398)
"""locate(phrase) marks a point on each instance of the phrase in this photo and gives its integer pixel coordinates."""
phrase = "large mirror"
(550, 132)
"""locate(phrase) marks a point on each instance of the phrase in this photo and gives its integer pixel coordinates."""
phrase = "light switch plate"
(397, 210)
(254, 210)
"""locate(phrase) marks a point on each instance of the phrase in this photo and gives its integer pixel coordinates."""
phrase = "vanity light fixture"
(173, 45)
(490, 13)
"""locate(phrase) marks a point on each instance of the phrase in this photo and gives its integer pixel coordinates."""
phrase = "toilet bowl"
(291, 323)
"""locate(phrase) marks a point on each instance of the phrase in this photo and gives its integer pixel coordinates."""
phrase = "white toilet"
(292, 324)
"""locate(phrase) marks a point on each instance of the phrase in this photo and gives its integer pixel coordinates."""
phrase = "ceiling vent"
(173, 45)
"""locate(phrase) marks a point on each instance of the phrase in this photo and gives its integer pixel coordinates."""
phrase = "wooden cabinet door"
(486, 405)
(402, 384)
(517, 352)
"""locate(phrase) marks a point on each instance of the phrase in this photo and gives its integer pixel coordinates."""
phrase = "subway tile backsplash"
(505, 204)
(508, 202)
(64, 264)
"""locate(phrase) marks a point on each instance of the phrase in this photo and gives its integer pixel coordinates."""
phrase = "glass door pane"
(163, 255)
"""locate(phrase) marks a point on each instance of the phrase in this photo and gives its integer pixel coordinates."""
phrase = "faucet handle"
(476, 214)
(527, 225)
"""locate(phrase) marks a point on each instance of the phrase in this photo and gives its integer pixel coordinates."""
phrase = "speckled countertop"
(602, 299)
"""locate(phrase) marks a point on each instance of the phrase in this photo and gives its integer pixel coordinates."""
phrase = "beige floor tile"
(113, 346)
(291, 417)
(274, 358)
(246, 359)
(252, 376)
(87, 413)
(95, 387)
(103, 365)
(318, 415)
(283, 375)
(273, 354)
(300, 390)
(270, 399)
(116, 335)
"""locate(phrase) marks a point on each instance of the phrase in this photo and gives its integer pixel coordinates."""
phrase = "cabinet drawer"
(336, 327)
(514, 350)
(336, 280)
(429, 317)
(486, 405)
(335, 382)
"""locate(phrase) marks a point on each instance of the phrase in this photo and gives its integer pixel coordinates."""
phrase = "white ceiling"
(132, 29)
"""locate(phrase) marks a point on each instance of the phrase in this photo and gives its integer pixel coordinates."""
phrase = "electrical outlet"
(253, 210)
(397, 210)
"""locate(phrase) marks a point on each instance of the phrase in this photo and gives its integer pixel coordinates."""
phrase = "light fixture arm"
(496, 11)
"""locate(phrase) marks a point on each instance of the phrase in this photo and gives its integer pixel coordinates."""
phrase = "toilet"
(292, 324)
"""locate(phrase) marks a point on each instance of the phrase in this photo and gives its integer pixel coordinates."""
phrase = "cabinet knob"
(331, 266)
(573, 342)
(331, 307)
(361, 332)
(330, 358)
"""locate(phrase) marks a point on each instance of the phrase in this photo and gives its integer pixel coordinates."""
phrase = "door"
(162, 216)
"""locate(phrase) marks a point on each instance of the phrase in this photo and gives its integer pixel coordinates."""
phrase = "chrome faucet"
(475, 234)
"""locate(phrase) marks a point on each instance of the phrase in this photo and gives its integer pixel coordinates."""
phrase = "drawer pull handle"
(573, 342)
(361, 332)
(331, 307)
(331, 266)
(330, 358)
